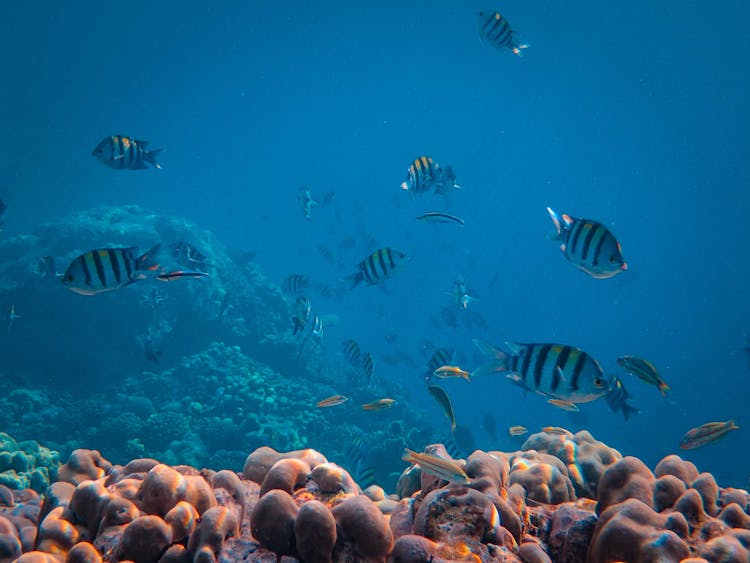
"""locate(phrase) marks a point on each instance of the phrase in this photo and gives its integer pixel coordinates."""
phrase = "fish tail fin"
(555, 235)
(354, 279)
(150, 157)
(628, 409)
(498, 359)
(733, 425)
(147, 260)
(517, 50)
(663, 387)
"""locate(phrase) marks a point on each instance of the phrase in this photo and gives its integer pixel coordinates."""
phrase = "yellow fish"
(556, 430)
(564, 405)
(706, 434)
(452, 371)
(437, 466)
(332, 401)
(380, 404)
(517, 430)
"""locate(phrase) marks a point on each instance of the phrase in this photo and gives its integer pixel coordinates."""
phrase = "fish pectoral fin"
(559, 372)
(118, 157)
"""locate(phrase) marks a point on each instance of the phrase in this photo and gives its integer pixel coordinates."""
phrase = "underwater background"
(633, 114)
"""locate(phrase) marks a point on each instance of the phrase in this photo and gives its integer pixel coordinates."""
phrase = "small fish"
(643, 370)
(440, 357)
(306, 202)
(180, 274)
(352, 353)
(706, 434)
(495, 30)
(564, 405)
(368, 367)
(120, 152)
(48, 268)
(515, 431)
(556, 371)
(295, 284)
(362, 470)
(12, 316)
(377, 267)
(439, 394)
(332, 401)
(154, 298)
(461, 295)
(436, 217)
(187, 255)
(452, 371)
(108, 269)
(378, 405)
(617, 398)
(556, 430)
(424, 175)
(588, 245)
(439, 467)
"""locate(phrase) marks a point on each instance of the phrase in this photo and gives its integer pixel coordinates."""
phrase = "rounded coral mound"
(297, 506)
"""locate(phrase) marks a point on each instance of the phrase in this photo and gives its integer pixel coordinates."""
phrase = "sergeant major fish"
(588, 245)
(495, 30)
(424, 175)
(556, 371)
(120, 151)
(377, 267)
(108, 269)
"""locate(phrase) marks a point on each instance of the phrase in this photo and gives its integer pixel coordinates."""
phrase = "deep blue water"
(634, 114)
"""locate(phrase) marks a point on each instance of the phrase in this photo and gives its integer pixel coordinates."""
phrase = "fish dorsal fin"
(489, 350)
(567, 219)
(514, 347)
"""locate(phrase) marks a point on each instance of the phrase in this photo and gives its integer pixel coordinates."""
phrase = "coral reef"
(26, 465)
(298, 506)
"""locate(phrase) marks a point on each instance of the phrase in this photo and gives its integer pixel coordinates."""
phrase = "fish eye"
(598, 382)
(611, 259)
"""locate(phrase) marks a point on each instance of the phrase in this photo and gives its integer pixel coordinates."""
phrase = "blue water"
(634, 114)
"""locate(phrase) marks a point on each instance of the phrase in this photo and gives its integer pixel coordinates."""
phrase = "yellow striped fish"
(557, 371)
(377, 267)
(588, 245)
(120, 151)
(108, 269)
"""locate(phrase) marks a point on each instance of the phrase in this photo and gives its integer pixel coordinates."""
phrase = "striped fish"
(108, 269)
(362, 469)
(295, 284)
(555, 371)
(440, 357)
(120, 152)
(706, 434)
(368, 367)
(588, 245)
(439, 467)
(352, 353)
(424, 175)
(377, 267)
(644, 370)
(495, 30)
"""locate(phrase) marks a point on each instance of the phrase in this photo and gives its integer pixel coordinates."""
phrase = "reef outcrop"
(529, 506)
